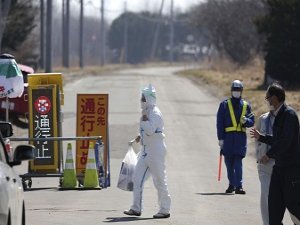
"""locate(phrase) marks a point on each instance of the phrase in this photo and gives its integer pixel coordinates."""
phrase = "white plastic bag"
(125, 181)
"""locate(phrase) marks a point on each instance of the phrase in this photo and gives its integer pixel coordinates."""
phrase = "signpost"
(45, 129)
(43, 119)
(45, 93)
(92, 120)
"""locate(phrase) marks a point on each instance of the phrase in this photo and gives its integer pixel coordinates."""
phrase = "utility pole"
(66, 33)
(48, 68)
(155, 39)
(63, 31)
(42, 36)
(81, 63)
(102, 48)
(171, 58)
(125, 33)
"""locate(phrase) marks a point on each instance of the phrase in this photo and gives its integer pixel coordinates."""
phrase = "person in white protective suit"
(151, 159)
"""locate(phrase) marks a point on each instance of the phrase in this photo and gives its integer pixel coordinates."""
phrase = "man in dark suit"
(284, 189)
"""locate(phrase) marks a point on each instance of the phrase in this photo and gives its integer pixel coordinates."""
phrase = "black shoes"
(161, 215)
(230, 189)
(131, 212)
(240, 191)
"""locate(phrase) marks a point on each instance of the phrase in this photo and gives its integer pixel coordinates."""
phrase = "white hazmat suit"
(151, 159)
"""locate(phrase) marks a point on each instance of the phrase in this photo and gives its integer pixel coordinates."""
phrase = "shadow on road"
(40, 189)
(221, 193)
(125, 219)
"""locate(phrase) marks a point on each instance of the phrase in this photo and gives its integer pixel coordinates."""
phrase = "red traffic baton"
(220, 167)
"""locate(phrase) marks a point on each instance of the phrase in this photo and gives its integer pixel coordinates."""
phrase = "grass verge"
(252, 76)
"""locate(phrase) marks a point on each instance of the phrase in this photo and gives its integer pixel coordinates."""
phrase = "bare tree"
(231, 26)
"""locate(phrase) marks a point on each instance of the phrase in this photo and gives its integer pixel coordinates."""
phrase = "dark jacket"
(285, 140)
(235, 143)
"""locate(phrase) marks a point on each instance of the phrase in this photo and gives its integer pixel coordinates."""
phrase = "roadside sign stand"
(92, 120)
(45, 92)
(26, 178)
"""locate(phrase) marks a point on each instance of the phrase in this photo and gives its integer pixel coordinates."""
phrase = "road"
(192, 162)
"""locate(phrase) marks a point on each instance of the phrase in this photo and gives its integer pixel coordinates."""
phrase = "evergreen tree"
(140, 35)
(20, 22)
(282, 30)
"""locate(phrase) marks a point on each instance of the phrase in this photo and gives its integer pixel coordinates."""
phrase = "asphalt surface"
(189, 112)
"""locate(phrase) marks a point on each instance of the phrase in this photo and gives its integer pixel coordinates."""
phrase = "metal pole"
(125, 33)
(42, 35)
(81, 36)
(48, 68)
(7, 110)
(66, 33)
(63, 32)
(102, 35)
(171, 58)
(99, 138)
(157, 28)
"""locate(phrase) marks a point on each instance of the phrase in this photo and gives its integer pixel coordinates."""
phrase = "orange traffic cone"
(69, 180)
(91, 179)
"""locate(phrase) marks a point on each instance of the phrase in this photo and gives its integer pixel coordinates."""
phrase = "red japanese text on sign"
(91, 121)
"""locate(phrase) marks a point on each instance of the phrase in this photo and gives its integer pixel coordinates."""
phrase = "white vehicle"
(12, 206)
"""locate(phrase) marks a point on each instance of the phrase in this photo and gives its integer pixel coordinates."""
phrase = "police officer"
(233, 116)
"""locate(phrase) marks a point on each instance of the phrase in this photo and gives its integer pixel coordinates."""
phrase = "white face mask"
(270, 107)
(236, 94)
(143, 105)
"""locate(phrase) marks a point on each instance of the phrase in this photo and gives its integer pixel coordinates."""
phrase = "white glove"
(221, 143)
(243, 119)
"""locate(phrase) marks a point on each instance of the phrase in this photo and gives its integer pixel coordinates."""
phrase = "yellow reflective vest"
(236, 126)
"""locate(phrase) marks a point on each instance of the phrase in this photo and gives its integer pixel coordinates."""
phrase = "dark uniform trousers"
(284, 193)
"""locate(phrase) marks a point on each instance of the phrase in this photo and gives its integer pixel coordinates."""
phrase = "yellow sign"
(43, 124)
(45, 79)
(92, 120)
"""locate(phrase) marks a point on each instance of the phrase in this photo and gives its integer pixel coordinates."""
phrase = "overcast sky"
(113, 8)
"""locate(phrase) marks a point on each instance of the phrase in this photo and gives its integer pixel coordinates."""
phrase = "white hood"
(150, 95)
